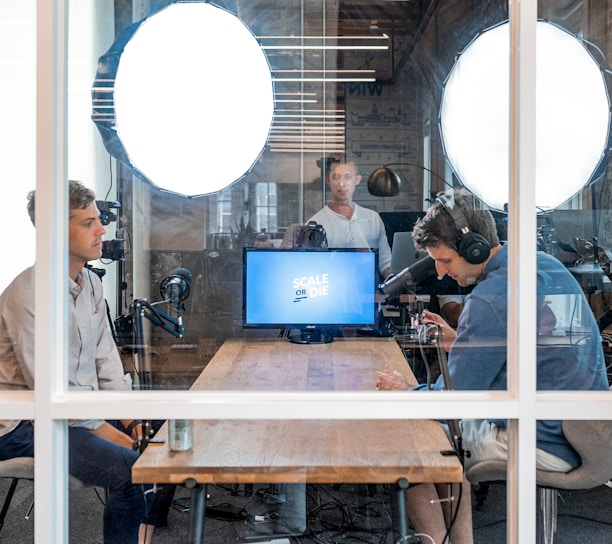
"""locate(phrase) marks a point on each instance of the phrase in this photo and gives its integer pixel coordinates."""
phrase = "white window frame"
(51, 405)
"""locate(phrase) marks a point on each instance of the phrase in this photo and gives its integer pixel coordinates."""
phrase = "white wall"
(17, 136)
(91, 33)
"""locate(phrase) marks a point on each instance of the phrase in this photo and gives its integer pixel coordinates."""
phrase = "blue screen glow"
(286, 288)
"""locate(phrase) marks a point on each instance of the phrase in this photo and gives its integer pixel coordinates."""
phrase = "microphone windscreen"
(420, 271)
(183, 273)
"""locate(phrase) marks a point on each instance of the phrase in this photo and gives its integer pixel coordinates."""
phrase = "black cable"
(102, 501)
(111, 323)
(110, 172)
(348, 523)
(453, 516)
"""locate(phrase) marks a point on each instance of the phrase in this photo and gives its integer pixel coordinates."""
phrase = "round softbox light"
(572, 116)
(185, 98)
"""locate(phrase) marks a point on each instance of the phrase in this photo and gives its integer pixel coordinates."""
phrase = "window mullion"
(522, 272)
(50, 484)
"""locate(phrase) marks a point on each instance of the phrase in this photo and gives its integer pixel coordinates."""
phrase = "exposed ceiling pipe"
(411, 46)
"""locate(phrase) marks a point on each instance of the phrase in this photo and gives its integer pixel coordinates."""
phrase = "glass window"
(266, 207)
(365, 80)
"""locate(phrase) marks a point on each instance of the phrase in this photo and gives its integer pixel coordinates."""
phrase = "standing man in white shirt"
(348, 224)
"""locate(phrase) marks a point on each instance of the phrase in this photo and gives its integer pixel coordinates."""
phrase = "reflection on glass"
(387, 120)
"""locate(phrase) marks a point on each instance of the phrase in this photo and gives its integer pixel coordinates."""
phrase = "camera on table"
(309, 235)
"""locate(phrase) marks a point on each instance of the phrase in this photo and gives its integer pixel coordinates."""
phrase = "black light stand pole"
(143, 370)
(596, 266)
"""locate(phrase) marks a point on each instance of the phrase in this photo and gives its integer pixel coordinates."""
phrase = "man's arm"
(477, 360)
(112, 434)
(384, 250)
(17, 330)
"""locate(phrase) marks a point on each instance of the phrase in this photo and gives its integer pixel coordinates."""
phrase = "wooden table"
(302, 451)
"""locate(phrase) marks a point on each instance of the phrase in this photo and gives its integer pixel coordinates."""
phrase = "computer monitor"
(316, 291)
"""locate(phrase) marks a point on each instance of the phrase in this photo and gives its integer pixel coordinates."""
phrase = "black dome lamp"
(384, 182)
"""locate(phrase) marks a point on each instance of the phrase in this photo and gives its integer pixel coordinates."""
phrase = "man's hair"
(79, 198)
(439, 228)
(339, 158)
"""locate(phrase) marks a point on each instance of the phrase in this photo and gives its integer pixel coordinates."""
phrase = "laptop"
(403, 252)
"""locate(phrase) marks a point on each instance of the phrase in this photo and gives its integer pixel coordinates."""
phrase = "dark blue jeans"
(98, 462)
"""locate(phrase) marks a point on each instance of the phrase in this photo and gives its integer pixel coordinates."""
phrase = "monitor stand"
(312, 336)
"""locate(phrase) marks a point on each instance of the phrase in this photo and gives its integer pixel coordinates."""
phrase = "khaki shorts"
(487, 441)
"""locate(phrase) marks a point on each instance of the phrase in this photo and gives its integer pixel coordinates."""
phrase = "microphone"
(175, 289)
(420, 271)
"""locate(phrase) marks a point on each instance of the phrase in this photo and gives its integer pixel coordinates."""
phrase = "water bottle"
(180, 434)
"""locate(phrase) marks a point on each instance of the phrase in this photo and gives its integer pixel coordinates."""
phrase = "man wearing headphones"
(464, 243)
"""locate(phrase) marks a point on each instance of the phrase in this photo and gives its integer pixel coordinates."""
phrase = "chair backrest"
(592, 439)
(486, 472)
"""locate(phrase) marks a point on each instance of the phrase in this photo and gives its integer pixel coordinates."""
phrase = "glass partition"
(365, 80)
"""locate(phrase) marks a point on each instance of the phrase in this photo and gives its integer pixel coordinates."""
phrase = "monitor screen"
(302, 288)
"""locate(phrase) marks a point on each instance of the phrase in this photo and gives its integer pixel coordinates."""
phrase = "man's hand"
(392, 380)
(448, 333)
(133, 427)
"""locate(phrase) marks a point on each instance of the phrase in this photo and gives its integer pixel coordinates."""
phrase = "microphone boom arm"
(143, 308)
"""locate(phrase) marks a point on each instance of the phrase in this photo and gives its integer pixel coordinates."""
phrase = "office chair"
(22, 468)
(591, 439)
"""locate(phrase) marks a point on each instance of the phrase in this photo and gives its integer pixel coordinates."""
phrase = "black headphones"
(473, 247)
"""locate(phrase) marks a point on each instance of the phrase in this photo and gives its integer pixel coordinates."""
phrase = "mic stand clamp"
(140, 444)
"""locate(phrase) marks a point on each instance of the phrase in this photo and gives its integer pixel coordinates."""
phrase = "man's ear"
(358, 178)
